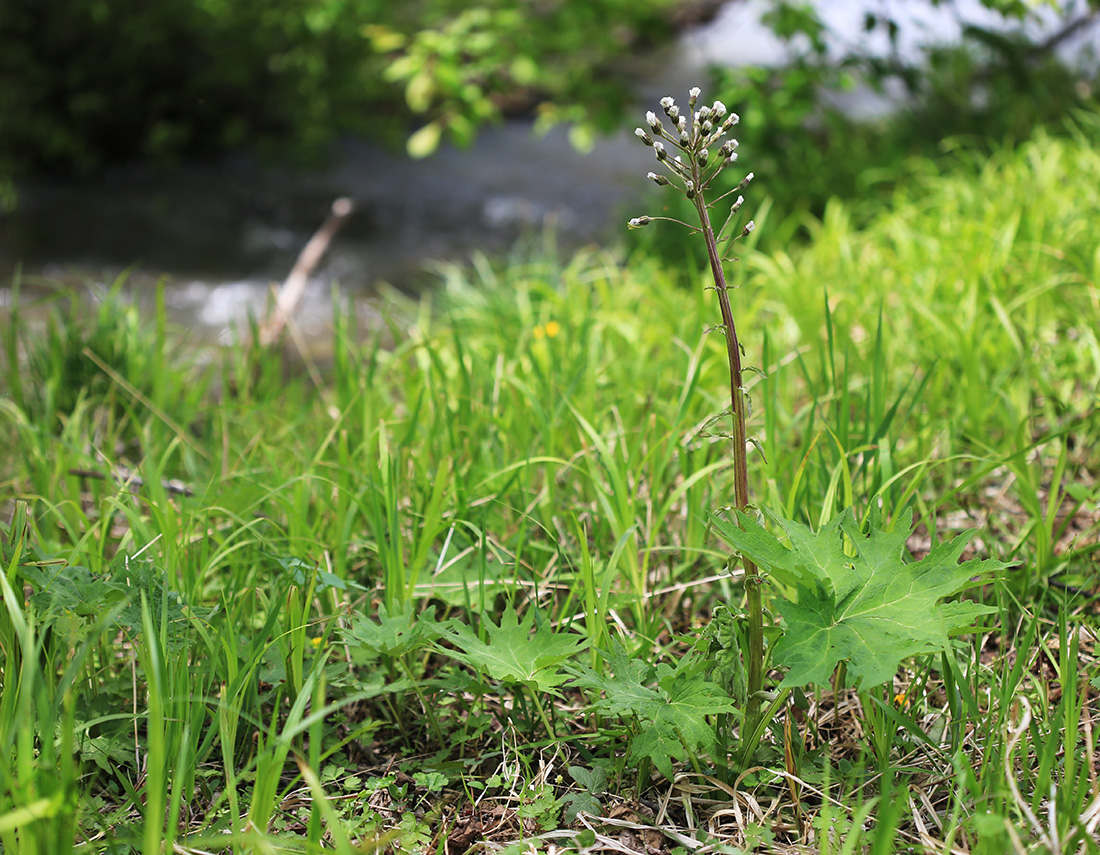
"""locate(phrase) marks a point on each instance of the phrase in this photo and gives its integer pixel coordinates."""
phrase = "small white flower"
(667, 102)
(652, 120)
(719, 109)
(638, 222)
(749, 226)
(694, 91)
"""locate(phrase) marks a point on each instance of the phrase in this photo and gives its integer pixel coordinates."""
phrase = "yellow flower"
(316, 642)
(552, 328)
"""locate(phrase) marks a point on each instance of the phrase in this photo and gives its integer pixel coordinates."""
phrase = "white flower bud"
(668, 103)
(660, 149)
(694, 91)
(719, 109)
(638, 222)
(659, 180)
(652, 120)
(643, 136)
(749, 226)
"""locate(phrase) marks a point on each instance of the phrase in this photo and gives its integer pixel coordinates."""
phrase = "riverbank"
(279, 618)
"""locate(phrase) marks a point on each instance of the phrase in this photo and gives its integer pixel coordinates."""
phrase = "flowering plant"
(853, 596)
(693, 170)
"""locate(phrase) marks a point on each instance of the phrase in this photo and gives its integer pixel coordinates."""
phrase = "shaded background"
(204, 141)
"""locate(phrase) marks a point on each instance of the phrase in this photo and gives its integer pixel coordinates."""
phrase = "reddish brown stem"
(755, 654)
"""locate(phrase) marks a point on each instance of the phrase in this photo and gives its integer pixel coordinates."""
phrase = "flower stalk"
(692, 172)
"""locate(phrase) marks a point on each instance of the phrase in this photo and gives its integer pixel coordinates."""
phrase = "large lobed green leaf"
(513, 654)
(672, 716)
(394, 635)
(859, 598)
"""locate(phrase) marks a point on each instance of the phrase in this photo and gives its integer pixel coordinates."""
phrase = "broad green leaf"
(69, 597)
(680, 721)
(673, 713)
(593, 783)
(425, 141)
(61, 588)
(419, 91)
(625, 690)
(756, 542)
(513, 654)
(593, 780)
(861, 599)
(393, 635)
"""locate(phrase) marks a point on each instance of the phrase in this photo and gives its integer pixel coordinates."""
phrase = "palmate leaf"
(69, 597)
(860, 599)
(672, 714)
(394, 635)
(513, 654)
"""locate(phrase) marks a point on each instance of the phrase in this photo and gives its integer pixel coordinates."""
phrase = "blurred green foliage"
(88, 82)
(91, 81)
(996, 84)
(994, 87)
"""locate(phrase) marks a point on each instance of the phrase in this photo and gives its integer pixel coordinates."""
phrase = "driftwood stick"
(290, 294)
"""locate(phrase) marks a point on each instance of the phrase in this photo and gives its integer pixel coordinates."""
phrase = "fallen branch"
(290, 294)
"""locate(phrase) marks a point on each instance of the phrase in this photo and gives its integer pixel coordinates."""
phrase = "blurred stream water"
(222, 233)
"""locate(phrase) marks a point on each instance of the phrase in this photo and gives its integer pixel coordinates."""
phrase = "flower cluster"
(693, 134)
